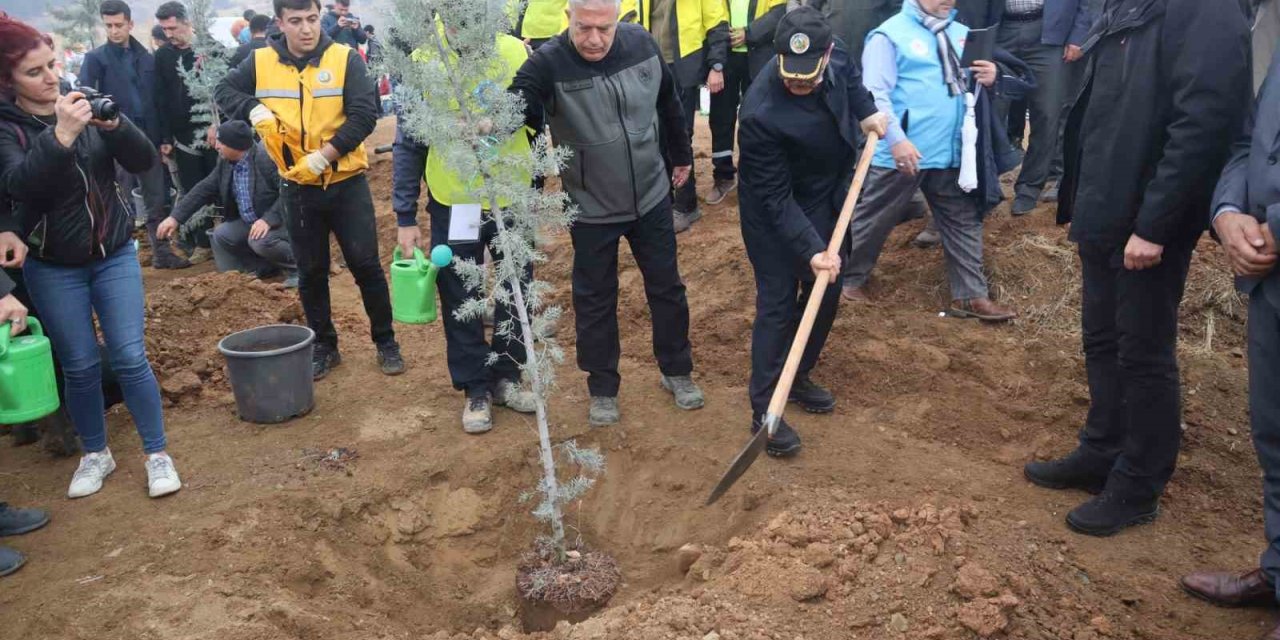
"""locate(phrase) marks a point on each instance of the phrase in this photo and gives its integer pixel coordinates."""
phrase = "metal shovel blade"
(740, 464)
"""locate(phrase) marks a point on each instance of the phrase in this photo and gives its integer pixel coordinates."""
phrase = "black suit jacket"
(217, 189)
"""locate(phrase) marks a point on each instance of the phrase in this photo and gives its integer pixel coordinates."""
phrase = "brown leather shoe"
(1224, 589)
(981, 308)
(854, 294)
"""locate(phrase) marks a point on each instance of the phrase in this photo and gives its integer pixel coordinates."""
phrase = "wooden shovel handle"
(781, 392)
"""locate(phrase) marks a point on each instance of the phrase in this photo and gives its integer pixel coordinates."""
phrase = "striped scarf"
(952, 75)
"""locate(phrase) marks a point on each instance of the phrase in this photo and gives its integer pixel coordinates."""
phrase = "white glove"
(316, 163)
(260, 114)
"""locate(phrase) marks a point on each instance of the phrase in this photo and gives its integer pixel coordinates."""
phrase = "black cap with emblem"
(802, 39)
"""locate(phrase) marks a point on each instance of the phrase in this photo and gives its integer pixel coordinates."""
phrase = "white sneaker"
(162, 477)
(94, 468)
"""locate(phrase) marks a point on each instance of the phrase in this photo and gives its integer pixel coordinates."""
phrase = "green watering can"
(28, 387)
(413, 284)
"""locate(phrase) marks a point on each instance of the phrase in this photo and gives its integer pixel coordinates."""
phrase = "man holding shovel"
(798, 141)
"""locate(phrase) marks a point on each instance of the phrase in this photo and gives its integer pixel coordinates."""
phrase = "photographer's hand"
(73, 113)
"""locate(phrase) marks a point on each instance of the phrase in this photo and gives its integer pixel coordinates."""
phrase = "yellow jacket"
(445, 185)
(543, 19)
(702, 28)
(308, 106)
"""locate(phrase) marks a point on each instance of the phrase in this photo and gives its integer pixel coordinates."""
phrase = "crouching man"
(246, 185)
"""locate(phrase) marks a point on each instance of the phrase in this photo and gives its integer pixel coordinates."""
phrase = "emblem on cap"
(324, 76)
(799, 43)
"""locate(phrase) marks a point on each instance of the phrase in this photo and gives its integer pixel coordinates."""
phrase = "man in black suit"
(1245, 214)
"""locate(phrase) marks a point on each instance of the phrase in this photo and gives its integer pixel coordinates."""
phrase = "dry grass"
(1041, 277)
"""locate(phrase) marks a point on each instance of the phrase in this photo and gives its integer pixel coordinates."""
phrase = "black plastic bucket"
(270, 372)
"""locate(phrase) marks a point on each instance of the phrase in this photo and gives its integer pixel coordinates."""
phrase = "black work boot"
(324, 359)
(1075, 471)
(162, 255)
(389, 359)
(811, 397)
(785, 442)
(1110, 513)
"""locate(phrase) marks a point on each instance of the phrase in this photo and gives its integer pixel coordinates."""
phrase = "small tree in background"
(450, 102)
(212, 64)
(77, 22)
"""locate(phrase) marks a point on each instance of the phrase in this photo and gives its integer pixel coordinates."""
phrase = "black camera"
(103, 107)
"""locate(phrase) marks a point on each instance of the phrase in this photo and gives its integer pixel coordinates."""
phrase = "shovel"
(782, 391)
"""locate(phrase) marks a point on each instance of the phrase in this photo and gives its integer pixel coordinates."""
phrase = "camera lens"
(104, 109)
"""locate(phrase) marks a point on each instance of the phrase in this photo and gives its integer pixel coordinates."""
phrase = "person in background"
(1073, 80)
(318, 104)
(488, 372)
(123, 69)
(343, 27)
(1245, 215)
(541, 21)
(58, 166)
(245, 185)
(1046, 35)
(158, 38)
(852, 20)
(751, 27)
(627, 192)
(801, 121)
(177, 131)
(373, 46)
(693, 36)
(248, 16)
(258, 30)
(912, 65)
(1167, 92)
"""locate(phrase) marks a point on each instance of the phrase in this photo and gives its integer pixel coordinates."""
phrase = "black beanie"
(236, 134)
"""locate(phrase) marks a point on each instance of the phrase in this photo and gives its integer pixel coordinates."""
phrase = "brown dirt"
(905, 517)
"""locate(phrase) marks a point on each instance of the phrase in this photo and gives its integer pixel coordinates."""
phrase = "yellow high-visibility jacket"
(308, 106)
(543, 19)
(702, 28)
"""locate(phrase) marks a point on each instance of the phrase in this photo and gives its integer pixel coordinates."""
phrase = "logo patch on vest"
(799, 43)
(324, 76)
(579, 85)
(645, 74)
(919, 48)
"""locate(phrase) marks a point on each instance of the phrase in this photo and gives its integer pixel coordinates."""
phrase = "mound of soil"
(187, 316)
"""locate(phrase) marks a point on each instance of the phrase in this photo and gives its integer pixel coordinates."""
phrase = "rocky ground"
(375, 517)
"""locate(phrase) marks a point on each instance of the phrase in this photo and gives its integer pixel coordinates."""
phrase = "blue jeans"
(68, 297)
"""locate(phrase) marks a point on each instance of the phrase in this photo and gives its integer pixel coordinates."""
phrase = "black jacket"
(995, 155)
(245, 50)
(128, 75)
(1165, 93)
(173, 103)
(788, 202)
(360, 103)
(760, 37)
(217, 189)
(67, 202)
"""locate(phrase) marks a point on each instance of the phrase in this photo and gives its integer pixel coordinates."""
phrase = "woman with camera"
(57, 163)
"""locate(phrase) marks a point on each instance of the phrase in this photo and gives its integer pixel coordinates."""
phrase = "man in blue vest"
(912, 65)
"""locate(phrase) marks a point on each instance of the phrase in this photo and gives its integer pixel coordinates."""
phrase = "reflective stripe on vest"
(307, 115)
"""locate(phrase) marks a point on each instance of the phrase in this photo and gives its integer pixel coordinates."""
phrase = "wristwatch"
(717, 67)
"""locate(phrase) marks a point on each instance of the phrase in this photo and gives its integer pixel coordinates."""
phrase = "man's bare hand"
(408, 239)
(680, 175)
(13, 251)
(1140, 254)
(906, 157)
(1072, 53)
(259, 230)
(13, 312)
(985, 72)
(825, 263)
(166, 228)
(1250, 246)
(715, 81)
(737, 37)
(878, 123)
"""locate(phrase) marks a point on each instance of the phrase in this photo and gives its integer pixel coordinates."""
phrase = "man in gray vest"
(618, 181)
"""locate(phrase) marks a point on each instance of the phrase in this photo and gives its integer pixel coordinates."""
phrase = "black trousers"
(465, 344)
(724, 115)
(346, 210)
(193, 168)
(686, 197)
(1130, 330)
(595, 296)
(1264, 416)
(780, 302)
